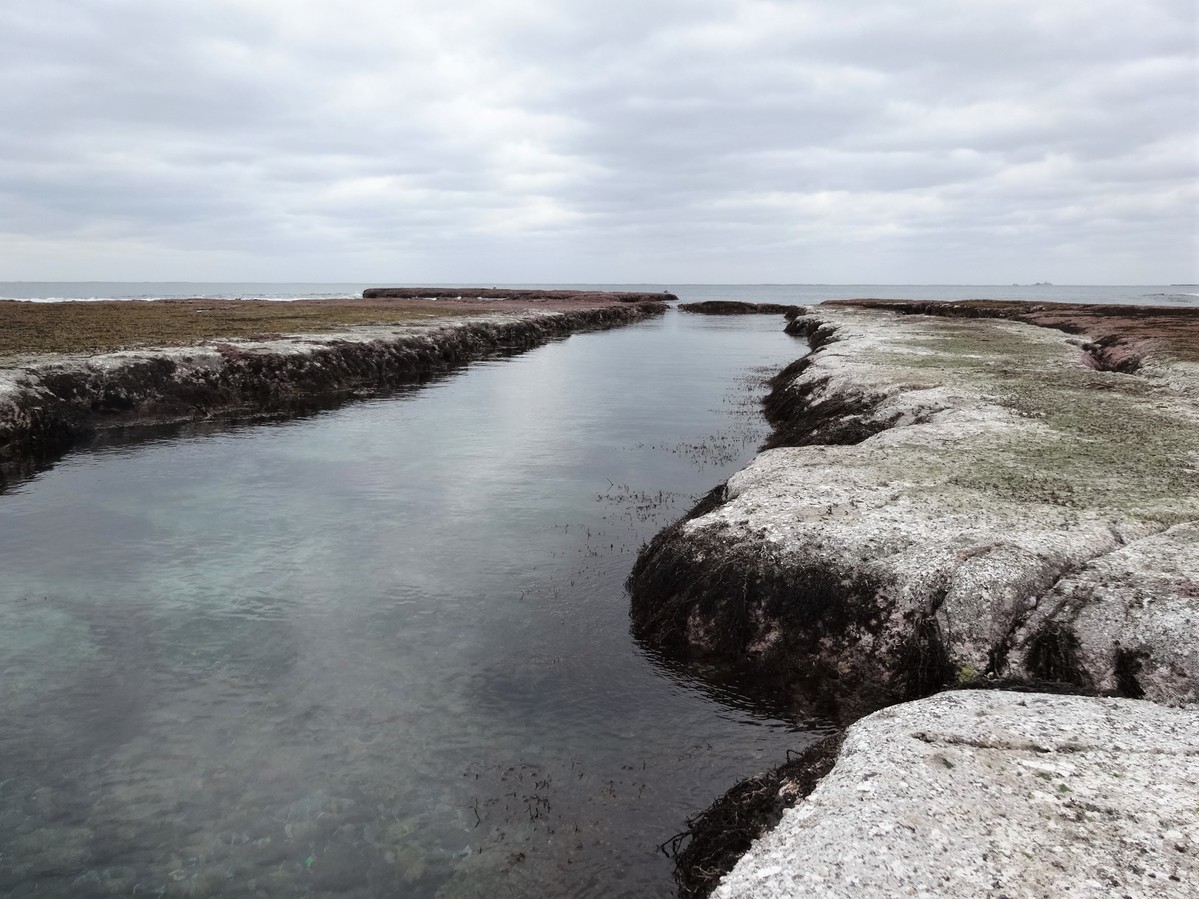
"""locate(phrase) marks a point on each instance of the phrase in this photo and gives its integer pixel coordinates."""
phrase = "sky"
(660, 141)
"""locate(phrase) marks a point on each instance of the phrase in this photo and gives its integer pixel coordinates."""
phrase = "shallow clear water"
(383, 650)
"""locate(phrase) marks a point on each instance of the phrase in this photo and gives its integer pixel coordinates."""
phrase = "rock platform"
(989, 794)
(960, 497)
(947, 501)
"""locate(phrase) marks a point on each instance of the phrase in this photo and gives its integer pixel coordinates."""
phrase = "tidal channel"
(382, 650)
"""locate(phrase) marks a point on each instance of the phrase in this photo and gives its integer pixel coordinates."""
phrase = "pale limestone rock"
(990, 794)
(996, 463)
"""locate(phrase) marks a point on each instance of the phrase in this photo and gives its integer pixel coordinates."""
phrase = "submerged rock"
(983, 793)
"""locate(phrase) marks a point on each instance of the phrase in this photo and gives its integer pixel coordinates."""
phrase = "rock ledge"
(50, 402)
(948, 501)
(983, 793)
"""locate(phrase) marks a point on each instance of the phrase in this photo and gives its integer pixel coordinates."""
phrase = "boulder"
(986, 793)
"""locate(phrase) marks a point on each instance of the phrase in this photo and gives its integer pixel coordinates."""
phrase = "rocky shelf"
(952, 497)
(49, 401)
(984, 793)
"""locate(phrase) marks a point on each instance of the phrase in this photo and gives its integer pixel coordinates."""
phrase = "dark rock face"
(718, 836)
(53, 407)
(823, 630)
(1113, 353)
(752, 603)
(737, 307)
(808, 414)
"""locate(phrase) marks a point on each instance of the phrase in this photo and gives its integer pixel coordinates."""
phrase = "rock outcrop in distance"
(739, 307)
(50, 403)
(516, 294)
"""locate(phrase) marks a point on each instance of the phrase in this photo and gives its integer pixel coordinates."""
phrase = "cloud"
(668, 140)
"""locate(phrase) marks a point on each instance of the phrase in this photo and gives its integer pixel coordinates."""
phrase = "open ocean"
(804, 294)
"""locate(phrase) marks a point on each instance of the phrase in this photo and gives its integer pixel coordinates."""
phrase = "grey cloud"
(621, 140)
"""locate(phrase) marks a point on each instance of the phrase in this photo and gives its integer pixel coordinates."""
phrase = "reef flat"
(951, 499)
(68, 370)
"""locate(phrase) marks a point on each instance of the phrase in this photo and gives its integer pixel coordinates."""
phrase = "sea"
(803, 294)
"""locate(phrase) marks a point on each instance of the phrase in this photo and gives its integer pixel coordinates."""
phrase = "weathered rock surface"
(990, 794)
(960, 499)
(51, 402)
(1118, 337)
(1126, 622)
(953, 499)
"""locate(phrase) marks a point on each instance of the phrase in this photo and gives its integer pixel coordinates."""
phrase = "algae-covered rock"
(51, 400)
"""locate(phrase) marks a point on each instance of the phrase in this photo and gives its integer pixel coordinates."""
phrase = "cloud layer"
(658, 140)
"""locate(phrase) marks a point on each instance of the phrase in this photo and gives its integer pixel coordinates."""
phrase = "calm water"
(1167, 295)
(381, 651)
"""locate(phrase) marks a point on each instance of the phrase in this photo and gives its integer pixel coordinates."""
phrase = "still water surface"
(384, 650)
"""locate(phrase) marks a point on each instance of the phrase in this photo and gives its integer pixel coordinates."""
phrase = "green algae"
(1107, 441)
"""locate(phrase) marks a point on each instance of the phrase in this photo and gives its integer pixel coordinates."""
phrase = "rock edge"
(983, 793)
(1073, 567)
(47, 407)
(946, 501)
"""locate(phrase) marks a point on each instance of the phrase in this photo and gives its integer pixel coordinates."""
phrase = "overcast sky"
(813, 141)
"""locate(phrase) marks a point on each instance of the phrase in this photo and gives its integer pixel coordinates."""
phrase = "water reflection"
(383, 650)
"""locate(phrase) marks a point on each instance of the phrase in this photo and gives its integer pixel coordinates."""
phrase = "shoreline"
(951, 500)
(853, 568)
(49, 402)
